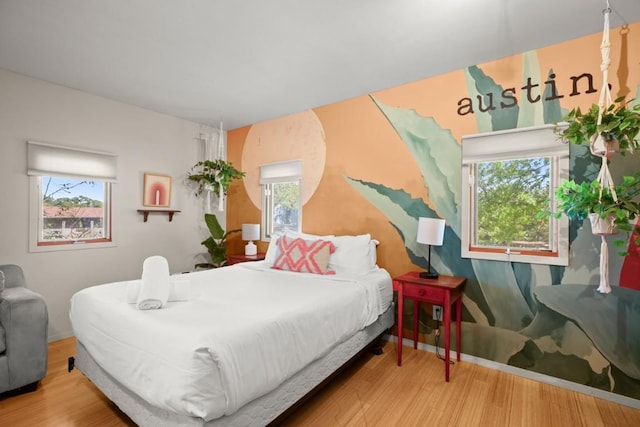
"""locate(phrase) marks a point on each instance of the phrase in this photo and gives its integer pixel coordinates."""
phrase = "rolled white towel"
(155, 287)
(180, 290)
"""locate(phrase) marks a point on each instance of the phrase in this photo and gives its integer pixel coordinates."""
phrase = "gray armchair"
(23, 333)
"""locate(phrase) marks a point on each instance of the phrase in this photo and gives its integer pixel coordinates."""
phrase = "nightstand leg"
(458, 325)
(416, 322)
(447, 333)
(400, 319)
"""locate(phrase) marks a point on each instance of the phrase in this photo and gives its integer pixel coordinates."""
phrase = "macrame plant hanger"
(214, 150)
(220, 156)
(600, 148)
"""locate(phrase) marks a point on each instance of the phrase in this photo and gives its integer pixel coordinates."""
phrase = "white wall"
(144, 141)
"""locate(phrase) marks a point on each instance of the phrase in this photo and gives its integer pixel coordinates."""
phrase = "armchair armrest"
(24, 318)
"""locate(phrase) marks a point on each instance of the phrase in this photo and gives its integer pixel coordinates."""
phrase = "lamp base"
(250, 249)
(428, 275)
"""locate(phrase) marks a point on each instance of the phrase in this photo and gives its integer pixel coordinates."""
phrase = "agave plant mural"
(535, 317)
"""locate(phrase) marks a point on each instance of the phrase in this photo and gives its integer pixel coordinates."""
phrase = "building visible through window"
(70, 197)
(73, 210)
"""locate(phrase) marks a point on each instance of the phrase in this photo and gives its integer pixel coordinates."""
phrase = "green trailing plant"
(620, 122)
(216, 243)
(580, 200)
(204, 173)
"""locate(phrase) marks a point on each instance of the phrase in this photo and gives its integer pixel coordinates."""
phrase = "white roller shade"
(537, 141)
(281, 172)
(49, 159)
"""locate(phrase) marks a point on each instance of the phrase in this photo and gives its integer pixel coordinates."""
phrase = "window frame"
(36, 221)
(519, 143)
(272, 174)
(58, 161)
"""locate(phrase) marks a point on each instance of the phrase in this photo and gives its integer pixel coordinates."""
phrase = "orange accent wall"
(360, 142)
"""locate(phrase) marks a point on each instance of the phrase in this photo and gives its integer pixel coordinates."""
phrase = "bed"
(247, 343)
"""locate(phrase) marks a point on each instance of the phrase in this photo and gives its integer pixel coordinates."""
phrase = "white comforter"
(244, 330)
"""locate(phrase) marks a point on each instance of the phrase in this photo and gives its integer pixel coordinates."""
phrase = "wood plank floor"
(372, 392)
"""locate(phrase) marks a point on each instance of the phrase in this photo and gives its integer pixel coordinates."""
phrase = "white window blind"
(281, 172)
(538, 141)
(48, 159)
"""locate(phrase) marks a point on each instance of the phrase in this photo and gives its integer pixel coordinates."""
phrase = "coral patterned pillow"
(304, 256)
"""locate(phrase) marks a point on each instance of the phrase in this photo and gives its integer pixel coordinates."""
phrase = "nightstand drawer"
(410, 290)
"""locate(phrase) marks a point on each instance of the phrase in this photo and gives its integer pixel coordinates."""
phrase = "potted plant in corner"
(618, 131)
(214, 175)
(216, 243)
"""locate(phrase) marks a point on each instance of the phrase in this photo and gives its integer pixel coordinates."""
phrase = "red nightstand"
(234, 259)
(444, 291)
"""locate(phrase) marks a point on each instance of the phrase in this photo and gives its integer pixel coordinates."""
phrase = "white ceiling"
(245, 61)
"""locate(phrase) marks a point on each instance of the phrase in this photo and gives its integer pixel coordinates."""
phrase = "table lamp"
(430, 232)
(250, 232)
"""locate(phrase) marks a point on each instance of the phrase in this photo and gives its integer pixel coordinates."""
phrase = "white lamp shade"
(430, 231)
(250, 231)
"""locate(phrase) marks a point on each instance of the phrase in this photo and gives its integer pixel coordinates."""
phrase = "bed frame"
(270, 408)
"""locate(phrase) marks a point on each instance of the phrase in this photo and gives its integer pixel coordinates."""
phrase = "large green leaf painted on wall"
(490, 342)
(552, 111)
(430, 145)
(482, 87)
(554, 333)
(403, 212)
(610, 321)
(531, 113)
(500, 286)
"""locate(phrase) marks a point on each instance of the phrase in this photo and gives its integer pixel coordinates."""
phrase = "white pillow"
(295, 234)
(373, 254)
(352, 255)
(272, 250)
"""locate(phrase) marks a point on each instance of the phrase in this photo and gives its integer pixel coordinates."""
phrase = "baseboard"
(569, 385)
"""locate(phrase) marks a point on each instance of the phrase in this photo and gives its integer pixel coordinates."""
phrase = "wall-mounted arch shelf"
(146, 212)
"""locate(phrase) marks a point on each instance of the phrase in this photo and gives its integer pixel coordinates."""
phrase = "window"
(281, 197)
(508, 177)
(71, 202)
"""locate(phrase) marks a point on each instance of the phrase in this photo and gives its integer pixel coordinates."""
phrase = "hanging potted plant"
(591, 200)
(213, 175)
(619, 128)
